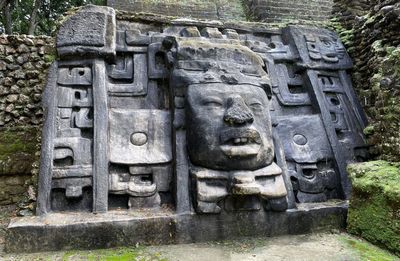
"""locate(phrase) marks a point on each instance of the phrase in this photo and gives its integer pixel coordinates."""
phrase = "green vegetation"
(374, 211)
(116, 254)
(365, 250)
(384, 83)
(17, 149)
(36, 16)
(49, 58)
(14, 140)
(346, 35)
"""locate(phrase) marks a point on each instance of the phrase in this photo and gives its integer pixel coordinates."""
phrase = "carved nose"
(238, 113)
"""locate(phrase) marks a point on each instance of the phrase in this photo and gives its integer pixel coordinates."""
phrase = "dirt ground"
(320, 246)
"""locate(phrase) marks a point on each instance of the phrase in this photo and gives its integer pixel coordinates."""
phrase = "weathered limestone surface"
(23, 67)
(23, 64)
(227, 129)
(369, 30)
(271, 11)
(284, 11)
(205, 9)
(123, 228)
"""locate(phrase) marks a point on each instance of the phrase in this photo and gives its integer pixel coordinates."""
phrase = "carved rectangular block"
(319, 48)
(75, 76)
(305, 138)
(140, 136)
(90, 32)
(133, 70)
(75, 97)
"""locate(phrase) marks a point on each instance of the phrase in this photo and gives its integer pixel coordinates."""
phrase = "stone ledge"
(122, 228)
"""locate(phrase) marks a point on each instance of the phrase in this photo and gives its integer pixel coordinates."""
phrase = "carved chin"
(247, 150)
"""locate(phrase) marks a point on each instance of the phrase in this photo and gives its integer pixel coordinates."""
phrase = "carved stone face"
(228, 127)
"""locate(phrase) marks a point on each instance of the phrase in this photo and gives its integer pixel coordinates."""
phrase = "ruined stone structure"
(369, 30)
(23, 64)
(187, 131)
(204, 9)
(281, 11)
(271, 11)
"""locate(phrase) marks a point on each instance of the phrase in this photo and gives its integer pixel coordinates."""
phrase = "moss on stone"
(17, 150)
(365, 250)
(386, 112)
(49, 58)
(374, 211)
(120, 254)
(346, 35)
(369, 130)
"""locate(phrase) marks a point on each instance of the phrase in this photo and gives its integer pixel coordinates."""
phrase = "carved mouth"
(240, 136)
(240, 142)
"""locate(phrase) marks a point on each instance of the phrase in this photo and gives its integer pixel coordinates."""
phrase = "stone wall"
(23, 70)
(271, 11)
(202, 9)
(370, 31)
(278, 11)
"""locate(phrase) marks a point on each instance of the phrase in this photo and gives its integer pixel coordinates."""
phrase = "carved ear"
(168, 43)
(169, 46)
(267, 89)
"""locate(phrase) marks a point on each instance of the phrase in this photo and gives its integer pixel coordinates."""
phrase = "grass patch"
(113, 254)
(366, 250)
(374, 210)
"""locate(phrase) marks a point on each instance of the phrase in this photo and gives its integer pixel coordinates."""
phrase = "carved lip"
(240, 136)
(240, 142)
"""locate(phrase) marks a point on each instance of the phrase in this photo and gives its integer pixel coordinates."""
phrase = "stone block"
(90, 32)
(87, 231)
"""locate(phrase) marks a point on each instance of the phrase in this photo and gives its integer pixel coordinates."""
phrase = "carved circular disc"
(300, 139)
(139, 138)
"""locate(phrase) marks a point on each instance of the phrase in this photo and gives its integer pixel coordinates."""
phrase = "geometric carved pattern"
(199, 117)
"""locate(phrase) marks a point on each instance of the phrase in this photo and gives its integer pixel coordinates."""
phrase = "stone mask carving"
(200, 117)
(229, 126)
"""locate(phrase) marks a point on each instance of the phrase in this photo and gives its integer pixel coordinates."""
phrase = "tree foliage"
(36, 16)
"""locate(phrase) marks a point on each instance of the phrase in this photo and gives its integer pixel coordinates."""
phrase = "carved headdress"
(217, 59)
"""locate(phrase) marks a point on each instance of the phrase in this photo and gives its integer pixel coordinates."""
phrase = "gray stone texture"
(23, 67)
(89, 33)
(200, 122)
(284, 11)
(238, 96)
(122, 228)
(369, 30)
(271, 11)
(205, 9)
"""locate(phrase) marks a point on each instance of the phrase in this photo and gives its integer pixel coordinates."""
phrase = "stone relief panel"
(196, 117)
(318, 48)
(72, 156)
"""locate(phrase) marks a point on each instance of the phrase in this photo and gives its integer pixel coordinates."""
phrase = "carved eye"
(213, 102)
(327, 42)
(256, 106)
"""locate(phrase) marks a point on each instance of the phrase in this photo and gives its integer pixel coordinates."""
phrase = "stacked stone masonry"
(271, 11)
(301, 69)
(206, 9)
(370, 31)
(195, 122)
(278, 11)
(23, 67)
